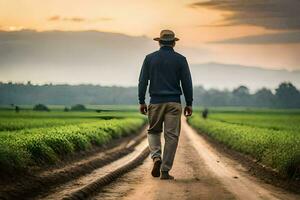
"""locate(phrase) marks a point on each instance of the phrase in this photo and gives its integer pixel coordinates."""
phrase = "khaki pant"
(167, 116)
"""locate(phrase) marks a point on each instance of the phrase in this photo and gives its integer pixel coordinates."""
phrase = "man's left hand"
(188, 111)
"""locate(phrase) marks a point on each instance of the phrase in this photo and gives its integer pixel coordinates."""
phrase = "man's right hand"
(188, 111)
(143, 109)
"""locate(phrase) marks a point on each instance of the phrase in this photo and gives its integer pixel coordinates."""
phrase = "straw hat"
(166, 35)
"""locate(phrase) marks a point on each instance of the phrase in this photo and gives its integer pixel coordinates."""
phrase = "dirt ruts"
(41, 182)
(83, 186)
(201, 172)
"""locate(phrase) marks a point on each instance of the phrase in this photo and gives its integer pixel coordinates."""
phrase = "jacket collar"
(167, 48)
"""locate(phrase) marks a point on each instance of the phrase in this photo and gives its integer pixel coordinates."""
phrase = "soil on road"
(200, 173)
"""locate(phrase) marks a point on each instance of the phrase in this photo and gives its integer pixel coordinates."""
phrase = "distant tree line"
(285, 96)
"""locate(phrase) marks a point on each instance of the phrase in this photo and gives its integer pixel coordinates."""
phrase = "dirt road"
(200, 173)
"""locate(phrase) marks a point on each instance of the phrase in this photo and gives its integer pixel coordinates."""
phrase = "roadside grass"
(273, 140)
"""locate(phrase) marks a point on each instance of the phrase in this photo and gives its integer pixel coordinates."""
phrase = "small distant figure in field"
(205, 113)
(17, 109)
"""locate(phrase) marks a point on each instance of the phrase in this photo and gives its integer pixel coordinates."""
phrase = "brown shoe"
(166, 176)
(156, 167)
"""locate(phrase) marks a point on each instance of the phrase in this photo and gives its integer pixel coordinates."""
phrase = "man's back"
(165, 69)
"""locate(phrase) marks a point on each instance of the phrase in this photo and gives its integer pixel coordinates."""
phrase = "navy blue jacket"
(165, 69)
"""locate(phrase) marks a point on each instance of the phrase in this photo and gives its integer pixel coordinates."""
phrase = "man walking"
(165, 69)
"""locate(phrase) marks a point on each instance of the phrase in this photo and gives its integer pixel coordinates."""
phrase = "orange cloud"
(77, 19)
(54, 18)
(74, 19)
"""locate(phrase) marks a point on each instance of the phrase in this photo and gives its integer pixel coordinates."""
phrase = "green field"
(34, 139)
(31, 138)
(270, 136)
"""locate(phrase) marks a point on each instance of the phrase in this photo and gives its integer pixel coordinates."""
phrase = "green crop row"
(11, 121)
(281, 121)
(14, 124)
(63, 115)
(279, 149)
(37, 146)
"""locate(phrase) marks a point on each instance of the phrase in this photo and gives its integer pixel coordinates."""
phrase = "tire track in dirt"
(75, 185)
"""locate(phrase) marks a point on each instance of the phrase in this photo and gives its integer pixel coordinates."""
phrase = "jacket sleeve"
(186, 83)
(143, 82)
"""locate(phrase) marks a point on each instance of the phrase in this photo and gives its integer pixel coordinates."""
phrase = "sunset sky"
(259, 33)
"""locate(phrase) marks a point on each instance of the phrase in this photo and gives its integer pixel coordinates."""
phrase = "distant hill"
(222, 76)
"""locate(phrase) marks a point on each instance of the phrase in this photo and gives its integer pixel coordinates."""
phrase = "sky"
(261, 33)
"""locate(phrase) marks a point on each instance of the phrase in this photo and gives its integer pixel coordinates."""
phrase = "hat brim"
(167, 40)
